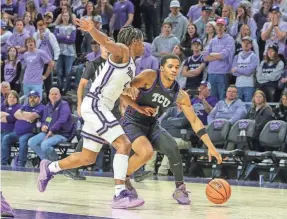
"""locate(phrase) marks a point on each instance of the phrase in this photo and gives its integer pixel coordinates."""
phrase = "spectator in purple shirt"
(8, 108)
(5, 90)
(47, 6)
(203, 103)
(25, 127)
(234, 3)
(96, 51)
(123, 16)
(147, 60)
(35, 59)
(57, 126)
(11, 69)
(195, 11)
(28, 25)
(18, 39)
(219, 54)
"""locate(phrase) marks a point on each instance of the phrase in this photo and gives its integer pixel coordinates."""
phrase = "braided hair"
(127, 34)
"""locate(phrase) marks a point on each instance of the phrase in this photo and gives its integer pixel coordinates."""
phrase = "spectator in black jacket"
(261, 112)
(280, 111)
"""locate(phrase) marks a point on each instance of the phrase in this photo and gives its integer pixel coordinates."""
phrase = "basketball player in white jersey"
(100, 125)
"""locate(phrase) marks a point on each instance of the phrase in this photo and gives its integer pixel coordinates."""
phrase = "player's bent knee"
(122, 144)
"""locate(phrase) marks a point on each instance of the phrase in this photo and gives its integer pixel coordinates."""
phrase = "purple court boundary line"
(234, 182)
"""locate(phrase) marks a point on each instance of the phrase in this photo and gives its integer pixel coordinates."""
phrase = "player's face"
(138, 47)
(171, 69)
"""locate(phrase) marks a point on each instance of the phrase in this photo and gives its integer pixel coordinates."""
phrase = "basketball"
(218, 191)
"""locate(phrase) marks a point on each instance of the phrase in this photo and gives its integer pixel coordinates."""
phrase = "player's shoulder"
(148, 74)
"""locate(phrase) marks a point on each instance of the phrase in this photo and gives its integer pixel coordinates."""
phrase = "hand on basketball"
(85, 24)
(132, 92)
(146, 110)
(214, 153)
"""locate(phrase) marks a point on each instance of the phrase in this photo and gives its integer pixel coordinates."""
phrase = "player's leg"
(167, 145)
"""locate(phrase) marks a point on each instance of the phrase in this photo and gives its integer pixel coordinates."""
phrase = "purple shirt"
(23, 127)
(10, 71)
(273, 37)
(121, 11)
(194, 12)
(92, 56)
(47, 8)
(199, 108)
(234, 3)
(30, 29)
(35, 65)
(9, 125)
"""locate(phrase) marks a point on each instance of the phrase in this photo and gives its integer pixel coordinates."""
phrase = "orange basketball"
(218, 191)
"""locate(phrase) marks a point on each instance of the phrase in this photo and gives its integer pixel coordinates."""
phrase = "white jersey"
(109, 84)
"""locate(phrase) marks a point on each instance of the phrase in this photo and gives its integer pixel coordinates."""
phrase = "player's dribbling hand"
(132, 92)
(85, 24)
(214, 153)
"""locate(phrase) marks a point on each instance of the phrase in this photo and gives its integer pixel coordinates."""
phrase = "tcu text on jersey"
(161, 99)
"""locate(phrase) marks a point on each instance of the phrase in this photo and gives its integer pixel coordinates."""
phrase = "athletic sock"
(119, 189)
(178, 184)
(54, 167)
(120, 166)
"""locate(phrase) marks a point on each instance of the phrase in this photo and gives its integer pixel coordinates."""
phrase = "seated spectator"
(232, 108)
(190, 34)
(193, 67)
(57, 126)
(280, 111)
(8, 109)
(203, 103)
(11, 69)
(275, 31)
(203, 20)
(243, 68)
(5, 90)
(165, 42)
(18, 39)
(175, 17)
(269, 73)
(210, 33)
(25, 127)
(35, 60)
(28, 25)
(195, 11)
(96, 51)
(146, 61)
(47, 7)
(261, 113)
(10, 9)
(242, 17)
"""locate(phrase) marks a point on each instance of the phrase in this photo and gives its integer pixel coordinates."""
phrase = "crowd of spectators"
(233, 52)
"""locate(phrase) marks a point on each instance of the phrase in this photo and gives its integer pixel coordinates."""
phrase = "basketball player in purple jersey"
(100, 125)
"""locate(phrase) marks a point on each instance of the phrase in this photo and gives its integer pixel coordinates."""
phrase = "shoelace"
(184, 191)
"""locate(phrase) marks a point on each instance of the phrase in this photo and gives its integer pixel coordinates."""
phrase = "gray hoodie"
(163, 44)
(179, 25)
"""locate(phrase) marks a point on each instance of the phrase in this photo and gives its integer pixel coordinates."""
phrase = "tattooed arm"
(183, 100)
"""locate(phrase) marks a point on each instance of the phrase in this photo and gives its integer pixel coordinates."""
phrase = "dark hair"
(276, 60)
(128, 34)
(168, 56)
(167, 23)
(94, 12)
(70, 17)
(31, 23)
(19, 20)
(187, 36)
(108, 7)
(245, 17)
(29, 39)
(8, 58)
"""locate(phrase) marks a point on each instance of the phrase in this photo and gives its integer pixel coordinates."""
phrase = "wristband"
(201, 132)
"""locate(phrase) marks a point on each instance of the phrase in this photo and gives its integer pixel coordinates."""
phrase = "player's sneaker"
(45, 175)
(126, 200)
(130, 188)
(181, 195)
(6, 210)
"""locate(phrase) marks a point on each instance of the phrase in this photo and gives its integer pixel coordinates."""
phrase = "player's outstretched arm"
(88, 25)
(184, 101)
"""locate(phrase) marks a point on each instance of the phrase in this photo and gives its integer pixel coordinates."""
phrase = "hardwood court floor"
(93, 197)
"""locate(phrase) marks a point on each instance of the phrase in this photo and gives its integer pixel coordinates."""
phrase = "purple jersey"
(199, 108)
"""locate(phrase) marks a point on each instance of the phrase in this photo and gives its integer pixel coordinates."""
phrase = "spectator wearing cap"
(269, 73)
(10, 9)
(35, 59)
(48, 19)
(47, 6)
(147, 60)
(203, 20)
(219, 54)
(66, 36)
(283, 6)
(57, 126)
(4, 36)
(96, 51)
(242, 17)
(165, 42)
(46, 41)
(193, 66)
(185, 44)
(5, 90)
(25, 127)
(8, 108)
(11, 69)
(231, 108)
(228, 14)
(194, 12)
(210, 30)
(18, 39)
(87, 38)
(203, 103)
(234, 3)
(243, 68)
(178, 21)
(275, 31)
(123, 15)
